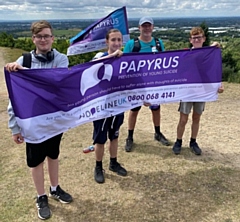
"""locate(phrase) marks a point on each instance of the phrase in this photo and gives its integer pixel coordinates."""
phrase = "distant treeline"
(12, 27)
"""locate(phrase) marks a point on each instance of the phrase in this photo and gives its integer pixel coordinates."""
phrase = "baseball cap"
(145, 19)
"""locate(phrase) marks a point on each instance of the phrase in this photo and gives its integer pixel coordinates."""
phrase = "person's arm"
(12, 124)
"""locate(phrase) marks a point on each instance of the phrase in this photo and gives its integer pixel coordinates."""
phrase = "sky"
(96, 9)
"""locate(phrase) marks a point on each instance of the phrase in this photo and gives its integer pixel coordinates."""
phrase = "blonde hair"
(37, 27)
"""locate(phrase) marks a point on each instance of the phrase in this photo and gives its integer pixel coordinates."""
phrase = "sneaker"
(129, 144)
(161, 138)
(177, 148)
(99, 175)
(195, 148)
(117, 168)
(60, 195)
(43, 208)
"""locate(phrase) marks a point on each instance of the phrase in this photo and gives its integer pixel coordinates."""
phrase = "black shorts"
(150, 107)
(108, 127)
(36, 153)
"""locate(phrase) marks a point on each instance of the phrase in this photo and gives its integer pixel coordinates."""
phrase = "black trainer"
(60, 195)
(117, 168)
(129, 144)
(195, 148)
(161, 138)
(99, 175)
(44, 211)
(177, 148)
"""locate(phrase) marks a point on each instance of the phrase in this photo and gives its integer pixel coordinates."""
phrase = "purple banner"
(93, 37)
(99, 89)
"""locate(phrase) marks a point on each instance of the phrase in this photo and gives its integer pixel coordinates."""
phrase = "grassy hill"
(159, 187)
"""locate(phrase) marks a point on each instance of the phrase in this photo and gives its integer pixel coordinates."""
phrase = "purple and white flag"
(94, 37)
(47, 102)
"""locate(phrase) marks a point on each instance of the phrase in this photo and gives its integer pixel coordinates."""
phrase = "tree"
(204, 26)
(6, 40)
(228, 60)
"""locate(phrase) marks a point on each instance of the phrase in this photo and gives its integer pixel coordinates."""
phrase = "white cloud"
(95, 9)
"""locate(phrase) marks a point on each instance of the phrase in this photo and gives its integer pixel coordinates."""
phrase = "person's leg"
(132, 119)
(38, 178)
(195, 124)
(99, 151)
(180, 131)
(56, 192)
(184, 109)
(114, 166)
(198, 108)
(195, 128)
(99, 139)
(181, 125)
(53, 168)
(44, 211)
(99, 172)
(35, 160)
(53, 150)
(156, 118)
(113, 148)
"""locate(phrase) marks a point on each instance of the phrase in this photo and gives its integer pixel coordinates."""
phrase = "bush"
(234, 77)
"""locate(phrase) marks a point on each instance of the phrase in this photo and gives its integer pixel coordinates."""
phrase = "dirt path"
(3, 90)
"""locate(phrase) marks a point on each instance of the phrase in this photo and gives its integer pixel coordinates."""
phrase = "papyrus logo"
(90, 76)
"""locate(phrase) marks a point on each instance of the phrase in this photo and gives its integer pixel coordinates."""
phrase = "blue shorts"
(107, 128)
(155, 107)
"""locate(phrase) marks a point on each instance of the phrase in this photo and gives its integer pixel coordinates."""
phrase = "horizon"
(135, 18)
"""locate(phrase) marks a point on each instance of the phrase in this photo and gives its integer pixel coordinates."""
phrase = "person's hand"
(221, 89)
(216, 44)
(119, 53)
(13, 67)
(17, 138)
